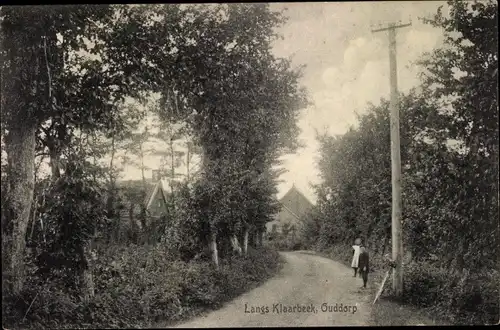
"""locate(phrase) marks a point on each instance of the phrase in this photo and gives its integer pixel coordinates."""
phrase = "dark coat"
(364, 261)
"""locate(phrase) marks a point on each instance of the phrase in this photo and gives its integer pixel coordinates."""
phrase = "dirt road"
(318, 285)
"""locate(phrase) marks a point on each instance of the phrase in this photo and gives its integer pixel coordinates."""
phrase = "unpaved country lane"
(307, 280)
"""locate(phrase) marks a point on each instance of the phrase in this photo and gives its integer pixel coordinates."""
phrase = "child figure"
(355, 257)
(364, 265)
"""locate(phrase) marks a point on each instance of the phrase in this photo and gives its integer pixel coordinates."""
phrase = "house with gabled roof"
(294, 208)
(136, 193)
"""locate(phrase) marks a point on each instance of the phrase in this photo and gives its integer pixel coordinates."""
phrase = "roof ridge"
(299, 192)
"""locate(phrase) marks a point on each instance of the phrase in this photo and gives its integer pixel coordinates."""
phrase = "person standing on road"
(355, 257)
(364, 264)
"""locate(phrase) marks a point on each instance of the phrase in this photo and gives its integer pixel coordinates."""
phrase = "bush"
(137, 286)
(286, 244)
(341, 253)
(41, 304)
(470, 298)
(422, 284)
(460, 298)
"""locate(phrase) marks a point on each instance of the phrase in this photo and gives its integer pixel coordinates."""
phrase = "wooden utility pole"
(397, 237)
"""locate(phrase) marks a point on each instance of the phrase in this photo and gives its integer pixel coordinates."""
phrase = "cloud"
(346, 67)
(330, 75)
(359, 74)
(363, 77)
(360, 51)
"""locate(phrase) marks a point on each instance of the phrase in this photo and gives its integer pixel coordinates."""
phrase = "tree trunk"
(368, 233)
(409, 257)
(187, 161)
(87, 278)
(133, 224)
(141, 155)
(112, 215)
(21, 166)
(213, 249)
(111, 161)
(236, 245)
(384, 244)
(245, 241)
(55, 165)
(112, 183)
(144, 216)
(172, 172)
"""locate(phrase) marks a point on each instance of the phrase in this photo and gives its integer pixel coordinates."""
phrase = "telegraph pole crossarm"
(397, 237)
(393, 26)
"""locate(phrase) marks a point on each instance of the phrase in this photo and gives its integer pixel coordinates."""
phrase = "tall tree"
(224, 79)
(61, 80)
(464, 75)
(449, 155)
(33, 63)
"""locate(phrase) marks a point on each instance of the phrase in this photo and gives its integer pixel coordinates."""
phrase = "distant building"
(294, 207)
(154, 193)
(135, 193)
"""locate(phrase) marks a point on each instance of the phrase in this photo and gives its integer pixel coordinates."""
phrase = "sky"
(347, 66)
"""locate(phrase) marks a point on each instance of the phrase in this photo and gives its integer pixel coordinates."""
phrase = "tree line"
(67, 75)
(449, 155)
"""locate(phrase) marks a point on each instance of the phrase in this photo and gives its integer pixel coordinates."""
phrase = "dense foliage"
(79, 96)
(140, 286)
(449, 152)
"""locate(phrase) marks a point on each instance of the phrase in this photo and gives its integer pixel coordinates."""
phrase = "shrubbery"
(135, 285)
(286, 244)
(469, 298)
(338, 252)
(138, 286)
